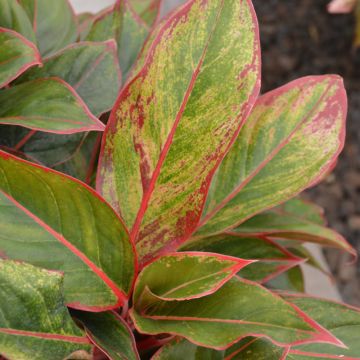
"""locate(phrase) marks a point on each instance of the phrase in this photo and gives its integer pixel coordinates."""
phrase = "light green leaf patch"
(34, 322)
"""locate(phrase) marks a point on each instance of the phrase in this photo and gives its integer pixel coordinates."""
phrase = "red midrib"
(270, 157)
(165, 150)
(99, 272)
(48, 336)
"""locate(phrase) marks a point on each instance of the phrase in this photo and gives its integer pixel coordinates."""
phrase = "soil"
(300, 38)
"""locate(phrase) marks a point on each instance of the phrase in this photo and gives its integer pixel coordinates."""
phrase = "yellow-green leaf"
(176, 119)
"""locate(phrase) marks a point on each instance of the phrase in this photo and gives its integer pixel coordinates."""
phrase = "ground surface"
(299, 38)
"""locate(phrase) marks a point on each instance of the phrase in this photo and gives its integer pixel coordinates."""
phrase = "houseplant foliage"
(148, 193)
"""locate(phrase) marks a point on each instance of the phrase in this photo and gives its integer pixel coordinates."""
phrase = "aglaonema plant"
(189, 243)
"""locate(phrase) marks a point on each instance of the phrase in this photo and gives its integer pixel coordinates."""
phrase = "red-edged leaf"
(271, 258)
(342, 320)
(187, 275)
(148, 10)
(34, 322)
(48, 104)
(158, 156)
(293, 136)
(56, 222)
(239, 309)
(17, 54)
(281, 225)
(109, 332)
(54, 23)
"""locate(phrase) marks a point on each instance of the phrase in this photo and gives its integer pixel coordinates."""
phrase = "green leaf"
(180, 349)
(121, 23)
(255, 349)
(281, 225)
(92, 69)
(56, 222)
(54, 23)
(343, 321)
(303, 209)
(291, 280)
(238, 309)
(187, 275)
(14, 17)
(272, 259)
(292, 137)
(167, 134)
(16, 55)
(110, 333)
(48, 105)
(246, 349)
(148, 10)
(34, 322)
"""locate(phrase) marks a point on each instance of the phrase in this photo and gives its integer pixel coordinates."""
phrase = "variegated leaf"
(34, 322)
(292, 138)
(176, 119)
(187, 275)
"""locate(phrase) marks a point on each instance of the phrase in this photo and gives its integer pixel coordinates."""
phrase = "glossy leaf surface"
(110, 333)
(187, 275)
(48, 105)
(343, 321)
(271, 259)
(238, 309)
(92, 69)
(14, 17)
(121, 23)
(158, 157)
(56, 222)
(16, 56)
(53, 22)
(292, 138)
(34, 322)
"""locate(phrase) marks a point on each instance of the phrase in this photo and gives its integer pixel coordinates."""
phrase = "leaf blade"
(32, 292)
(17, 55)
(48, 105)
(54, 222)
(315, 108)
(157, 202)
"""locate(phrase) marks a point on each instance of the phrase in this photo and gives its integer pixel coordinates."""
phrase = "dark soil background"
(300, 38)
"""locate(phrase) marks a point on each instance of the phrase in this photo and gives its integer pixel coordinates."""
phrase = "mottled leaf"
(121, 23)
(110, 333)
(238, 309)
(292, 137)
(34, 322)
(158, 155)
(92, 69)
(13, 16)
(272, 259)
(281, 225)
(48, 105)
(16, 55)
(53, 22)
(58, 223)
(187, 275)
(343, 321)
